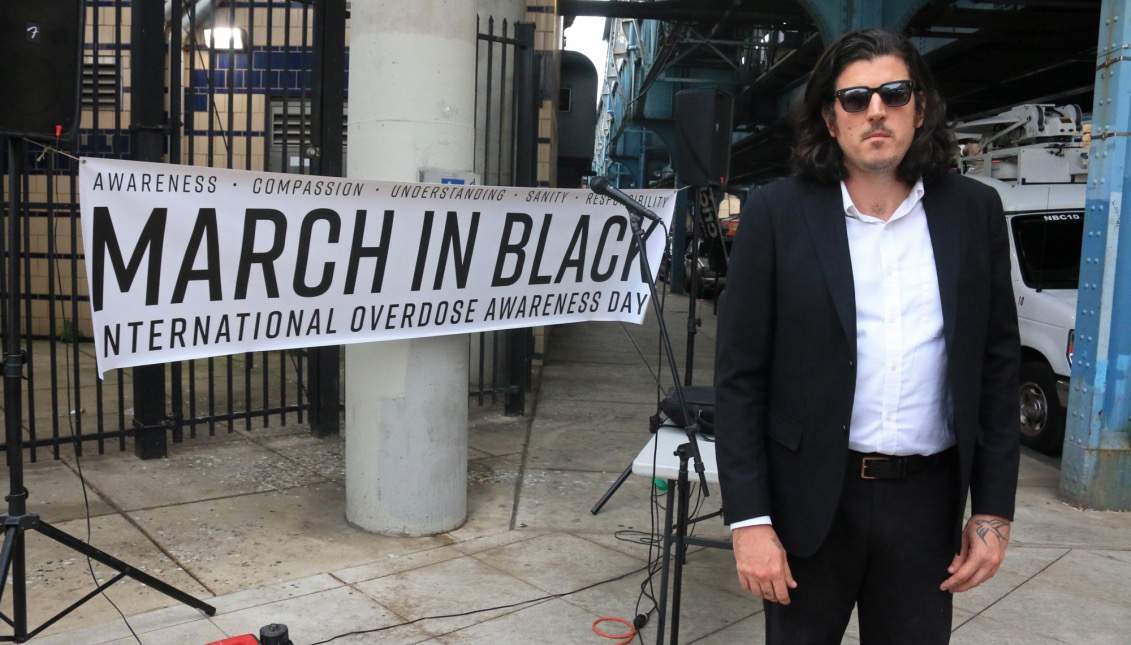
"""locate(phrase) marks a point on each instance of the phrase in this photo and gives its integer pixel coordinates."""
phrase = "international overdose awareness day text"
(185, 262)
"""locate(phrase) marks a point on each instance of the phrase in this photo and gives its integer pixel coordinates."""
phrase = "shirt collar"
(913, 198)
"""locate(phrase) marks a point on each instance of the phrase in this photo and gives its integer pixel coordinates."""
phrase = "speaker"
(702, 130)
(40, 63)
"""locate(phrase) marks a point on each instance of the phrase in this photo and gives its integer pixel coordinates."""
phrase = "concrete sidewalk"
(254, 523)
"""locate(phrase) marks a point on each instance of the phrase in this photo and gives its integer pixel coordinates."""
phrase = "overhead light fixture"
(229, 38)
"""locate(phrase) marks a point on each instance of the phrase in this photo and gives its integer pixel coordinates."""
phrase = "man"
(867, 365)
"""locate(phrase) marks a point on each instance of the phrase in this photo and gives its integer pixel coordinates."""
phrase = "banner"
(185, 262)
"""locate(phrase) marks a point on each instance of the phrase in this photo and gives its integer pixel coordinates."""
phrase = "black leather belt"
(876, 466)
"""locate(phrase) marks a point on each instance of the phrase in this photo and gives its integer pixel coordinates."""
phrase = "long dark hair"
(816, 154)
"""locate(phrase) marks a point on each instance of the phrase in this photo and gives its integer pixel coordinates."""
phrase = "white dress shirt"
(901, 405)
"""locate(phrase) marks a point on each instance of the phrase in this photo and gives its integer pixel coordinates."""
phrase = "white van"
(1033, 156)
(1046, 227)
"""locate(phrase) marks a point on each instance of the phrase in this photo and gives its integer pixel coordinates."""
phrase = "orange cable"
(627, 637)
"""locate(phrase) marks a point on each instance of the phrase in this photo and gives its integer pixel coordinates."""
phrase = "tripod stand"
(17, 522)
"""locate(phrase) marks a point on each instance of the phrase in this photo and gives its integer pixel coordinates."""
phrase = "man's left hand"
(983, 548)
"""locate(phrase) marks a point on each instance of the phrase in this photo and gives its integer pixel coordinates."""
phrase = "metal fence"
(246, 84)
(505, 155)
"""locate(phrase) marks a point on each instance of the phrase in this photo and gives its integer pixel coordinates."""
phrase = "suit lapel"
(946, 241)
(824, 212)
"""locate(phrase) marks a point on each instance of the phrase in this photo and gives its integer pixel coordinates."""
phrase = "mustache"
(876, 128)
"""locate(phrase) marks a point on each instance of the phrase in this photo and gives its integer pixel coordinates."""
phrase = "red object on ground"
(246, 639)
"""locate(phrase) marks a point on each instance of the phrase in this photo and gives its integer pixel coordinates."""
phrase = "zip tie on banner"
(47, 148)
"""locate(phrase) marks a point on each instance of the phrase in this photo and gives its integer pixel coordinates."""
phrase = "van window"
(1048, 248)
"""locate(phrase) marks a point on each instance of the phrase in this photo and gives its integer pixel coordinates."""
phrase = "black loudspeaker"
(40, 63)
(702, 130)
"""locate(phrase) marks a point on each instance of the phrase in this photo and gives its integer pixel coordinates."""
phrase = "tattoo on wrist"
(995, 526)
(777, 543)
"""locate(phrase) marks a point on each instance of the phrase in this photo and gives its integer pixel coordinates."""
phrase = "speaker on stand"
(703, 123)
(40, 46)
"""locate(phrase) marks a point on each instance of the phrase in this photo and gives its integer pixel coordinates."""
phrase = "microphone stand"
(635, 218)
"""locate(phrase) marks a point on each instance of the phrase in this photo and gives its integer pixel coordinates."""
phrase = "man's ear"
(920, 108)
(828, 113)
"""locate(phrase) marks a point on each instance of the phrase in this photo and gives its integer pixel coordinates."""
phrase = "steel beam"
(1096, 465)
(772, 13)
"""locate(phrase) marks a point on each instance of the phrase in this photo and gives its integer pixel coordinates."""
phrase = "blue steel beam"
(835, 17)
(1096, 465)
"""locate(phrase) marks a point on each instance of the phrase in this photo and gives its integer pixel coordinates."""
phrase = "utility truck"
(1036, 156)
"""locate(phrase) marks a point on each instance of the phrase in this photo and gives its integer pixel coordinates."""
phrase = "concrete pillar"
(411, 93)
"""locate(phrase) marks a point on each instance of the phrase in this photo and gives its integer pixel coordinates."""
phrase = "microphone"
(603, 186)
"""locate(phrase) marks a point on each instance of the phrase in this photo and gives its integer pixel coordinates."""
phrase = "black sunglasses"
(893, 94)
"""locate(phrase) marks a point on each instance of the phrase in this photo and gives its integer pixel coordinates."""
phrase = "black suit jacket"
(786, 363)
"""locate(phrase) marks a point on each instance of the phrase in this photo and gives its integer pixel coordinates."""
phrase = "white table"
(662, 447)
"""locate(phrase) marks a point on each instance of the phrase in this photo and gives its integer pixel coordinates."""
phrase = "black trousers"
(886, 554)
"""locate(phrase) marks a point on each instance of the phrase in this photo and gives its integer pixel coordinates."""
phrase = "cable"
(647, 590)
(479, 611)
(213, 111)
(78, 456)
(654, 541)
(627, 636)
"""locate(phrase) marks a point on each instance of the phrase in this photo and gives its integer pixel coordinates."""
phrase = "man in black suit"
(867, 365)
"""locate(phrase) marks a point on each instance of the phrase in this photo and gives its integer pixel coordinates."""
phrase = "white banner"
(185, 262)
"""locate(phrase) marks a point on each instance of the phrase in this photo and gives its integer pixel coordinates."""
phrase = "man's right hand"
(761, 562)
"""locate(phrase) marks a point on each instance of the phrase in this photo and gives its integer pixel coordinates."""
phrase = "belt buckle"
(864, 466)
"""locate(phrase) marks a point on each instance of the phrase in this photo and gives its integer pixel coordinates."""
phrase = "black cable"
(479, 611)
(655, 540)
(78, 458)
(655, 552)
(656, 545)
(213, 111)
(652, 567)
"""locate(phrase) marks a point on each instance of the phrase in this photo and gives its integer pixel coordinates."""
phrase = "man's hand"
(983, 548)
(762, 566)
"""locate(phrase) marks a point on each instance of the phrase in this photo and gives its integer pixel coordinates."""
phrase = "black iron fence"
(246, 84)
(506, 115)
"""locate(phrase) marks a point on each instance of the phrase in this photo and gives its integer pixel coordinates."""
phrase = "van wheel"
(1042, 417)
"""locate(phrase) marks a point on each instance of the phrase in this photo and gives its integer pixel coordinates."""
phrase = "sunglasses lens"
(895, 94)
(855, 99)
